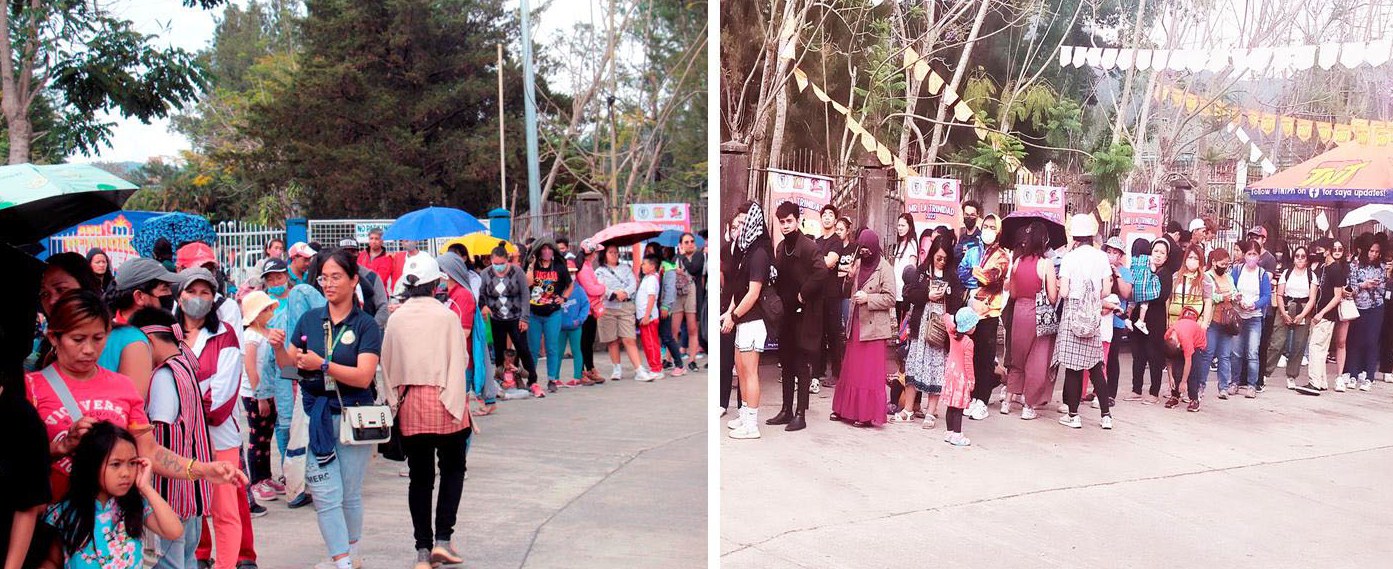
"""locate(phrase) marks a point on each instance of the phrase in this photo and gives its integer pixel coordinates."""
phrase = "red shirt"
(462, 303)
(1188, 333)
(384, 265)
(108, 396)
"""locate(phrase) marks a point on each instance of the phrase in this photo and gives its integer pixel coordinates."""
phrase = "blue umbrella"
(178, 227)
(432, 223)
(672, 237)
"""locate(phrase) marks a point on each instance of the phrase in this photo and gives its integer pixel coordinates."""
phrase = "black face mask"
(1317, 258)
(167, 302)
(970, 223)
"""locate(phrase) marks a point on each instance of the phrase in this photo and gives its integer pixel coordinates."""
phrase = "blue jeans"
(285, 407)
(337, 488)
(1218, 345)
(669, 341)
(180, 553)
(1246, 347)
(572, 338)
(1363, 356)
(550, 327)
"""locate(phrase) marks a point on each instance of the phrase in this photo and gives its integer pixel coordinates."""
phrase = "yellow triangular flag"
(1254, 118)
(800, 78)
(839, 107)
(910, 56)
(935, 82)
(868, 142)
(1288, 126)
(1192, 102)
(962, 112)
(921, 69)
(1325, 131)
(1268, 124)
(820, 94)
(884, 155)
(1303, 129)
(1343, 133)
(1383, 136)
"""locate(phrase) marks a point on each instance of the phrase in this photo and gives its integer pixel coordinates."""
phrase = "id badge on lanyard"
(329, 344)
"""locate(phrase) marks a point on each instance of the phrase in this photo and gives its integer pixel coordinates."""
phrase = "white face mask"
(1192, 264)
(989, 236)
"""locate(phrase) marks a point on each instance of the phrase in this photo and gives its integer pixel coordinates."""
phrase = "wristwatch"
(324, 367)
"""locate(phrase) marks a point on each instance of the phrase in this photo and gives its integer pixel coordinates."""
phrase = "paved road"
(1281, 481)
(608, 476)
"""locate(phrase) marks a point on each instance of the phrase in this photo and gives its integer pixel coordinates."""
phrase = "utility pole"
(502, 148)
(534, 175)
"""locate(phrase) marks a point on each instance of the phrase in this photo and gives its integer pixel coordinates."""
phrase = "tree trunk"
(1127, 82)
(12, 100)
(912, 94)
(940, 134)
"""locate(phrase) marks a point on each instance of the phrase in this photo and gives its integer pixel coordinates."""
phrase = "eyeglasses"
(331, 279)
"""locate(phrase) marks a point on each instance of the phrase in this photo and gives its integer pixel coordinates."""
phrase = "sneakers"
(1252, 393)
(1106, 423)
(958, 440)
(1071, 421)
(1223, 393)
(645, 375)
(300, 501)
(258, 510)
(1006, 404)
(1141, 327)
(1172, 402)
(1028, 413)
(537, 391)
(1366, 385)
(1282, 361)
(263, 492)
(928, 421)
(677, 372)
(815, 386)
(1340, 383)
(571, 383)
(977, 410)
(1193, 406)
(749, 424)
(1094, 403)
(617, 374)
(1063, 408)
(1291, 383)
(692, 367)
(552, 385)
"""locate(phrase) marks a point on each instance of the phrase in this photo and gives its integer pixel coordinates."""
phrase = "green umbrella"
(38, 201)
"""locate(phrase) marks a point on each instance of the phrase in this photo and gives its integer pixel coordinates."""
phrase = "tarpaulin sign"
(809, 191)
(665, 215)
(112, 233)
(1048, 201)
(933, 202)
(1141, 217)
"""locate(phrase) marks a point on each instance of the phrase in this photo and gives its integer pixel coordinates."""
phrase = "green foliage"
(1063, 123)
(1109, 167)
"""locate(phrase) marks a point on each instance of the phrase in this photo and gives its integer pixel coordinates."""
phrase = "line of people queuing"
(951, 315)
(128, 428)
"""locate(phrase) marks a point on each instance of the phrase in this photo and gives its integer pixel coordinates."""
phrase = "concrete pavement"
(607, 476)
(1284, 480)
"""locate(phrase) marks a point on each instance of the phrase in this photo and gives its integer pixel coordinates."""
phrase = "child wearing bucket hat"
(959, 378)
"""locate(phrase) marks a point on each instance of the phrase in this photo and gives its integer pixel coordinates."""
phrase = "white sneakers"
(1366, 385)
(643, 374)
(1028, 413)
(957, 439)
(977, 410)
(815, 386)
(748, 427)
(1107, 422)
(1291, 383)
(617, 373)
(1006, 404)
(1073, 422)
(1340, 383)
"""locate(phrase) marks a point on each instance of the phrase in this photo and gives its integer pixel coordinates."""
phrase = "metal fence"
(241, 247)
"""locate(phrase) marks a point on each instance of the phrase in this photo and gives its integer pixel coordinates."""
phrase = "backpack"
(1088, 316)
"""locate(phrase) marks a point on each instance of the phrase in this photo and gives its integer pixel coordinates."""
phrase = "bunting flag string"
(1362, 131)
(1261, 60)
(1255, 154)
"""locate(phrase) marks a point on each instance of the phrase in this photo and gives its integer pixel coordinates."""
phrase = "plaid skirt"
(1073, 352)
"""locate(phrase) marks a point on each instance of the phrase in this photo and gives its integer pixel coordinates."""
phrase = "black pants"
(1192, 381)
(421, 454)
(1150, 349)
(796, 363)
(727, 367)
(827, 362)
(669, 341)
(587, 343)
(984, 358)
(955, 419)
(509, 329)
(1268, 321)
(1114, 367)
(1073, 388)
(261, 430)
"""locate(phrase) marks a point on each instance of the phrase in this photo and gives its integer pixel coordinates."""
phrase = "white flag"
(1109, 59)
(1066, 55)
(1125, 58)
(1079, 54)
(1305, 58)
(1253, 153)
(1329, 55)
(1094, 56)
(1352, 54)
(1143, 61)
(1379, 52)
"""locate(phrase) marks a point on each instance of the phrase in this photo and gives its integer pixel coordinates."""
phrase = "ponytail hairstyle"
(77, 513)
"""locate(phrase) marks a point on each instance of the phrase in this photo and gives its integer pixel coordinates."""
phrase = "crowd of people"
(160, 394)
(946, 317)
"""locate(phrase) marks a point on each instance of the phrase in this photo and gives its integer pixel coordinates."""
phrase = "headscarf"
(868, 240)
(753, 229)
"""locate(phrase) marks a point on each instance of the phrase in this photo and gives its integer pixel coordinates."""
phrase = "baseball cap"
(1258, 230)
(137, 272)
(1196, 224)
(349, 243)
(195, 254)
(273, 266)
(302, 249)
(194, 274)
(1115, 243)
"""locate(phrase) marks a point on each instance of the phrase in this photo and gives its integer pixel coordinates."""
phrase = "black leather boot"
(798, 423)
(785, 415)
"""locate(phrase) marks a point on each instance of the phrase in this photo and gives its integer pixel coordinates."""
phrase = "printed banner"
(809, 191)
(934, 202)
(1141, 217)
(111, 233)
(1045, 200)
(361, 230)
(665, 215)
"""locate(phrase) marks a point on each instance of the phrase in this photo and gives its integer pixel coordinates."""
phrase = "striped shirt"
(188, 437)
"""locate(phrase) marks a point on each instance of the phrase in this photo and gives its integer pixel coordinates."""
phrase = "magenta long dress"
(860, 394)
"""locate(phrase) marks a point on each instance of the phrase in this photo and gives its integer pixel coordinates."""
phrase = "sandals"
(483, 411)
(903, 416)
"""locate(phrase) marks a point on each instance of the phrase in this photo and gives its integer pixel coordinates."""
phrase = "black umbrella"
(1016, 222)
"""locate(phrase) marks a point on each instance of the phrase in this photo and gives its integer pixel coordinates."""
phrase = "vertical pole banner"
(809, 191)
(933, 202)
(1141, 217)
(1045, 200)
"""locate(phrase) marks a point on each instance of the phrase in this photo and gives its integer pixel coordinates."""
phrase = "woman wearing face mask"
(1218, 339)
(550, 285)
(144, 283)
(507, 306)
(1369, 281)
(989, 271)
(931, 295)
(860, 394)
(218, 354)
(1191, 293)
(1149, 347)
(1254, 296)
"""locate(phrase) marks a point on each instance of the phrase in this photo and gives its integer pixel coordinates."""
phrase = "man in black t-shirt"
(828, 353)
(743, 315)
